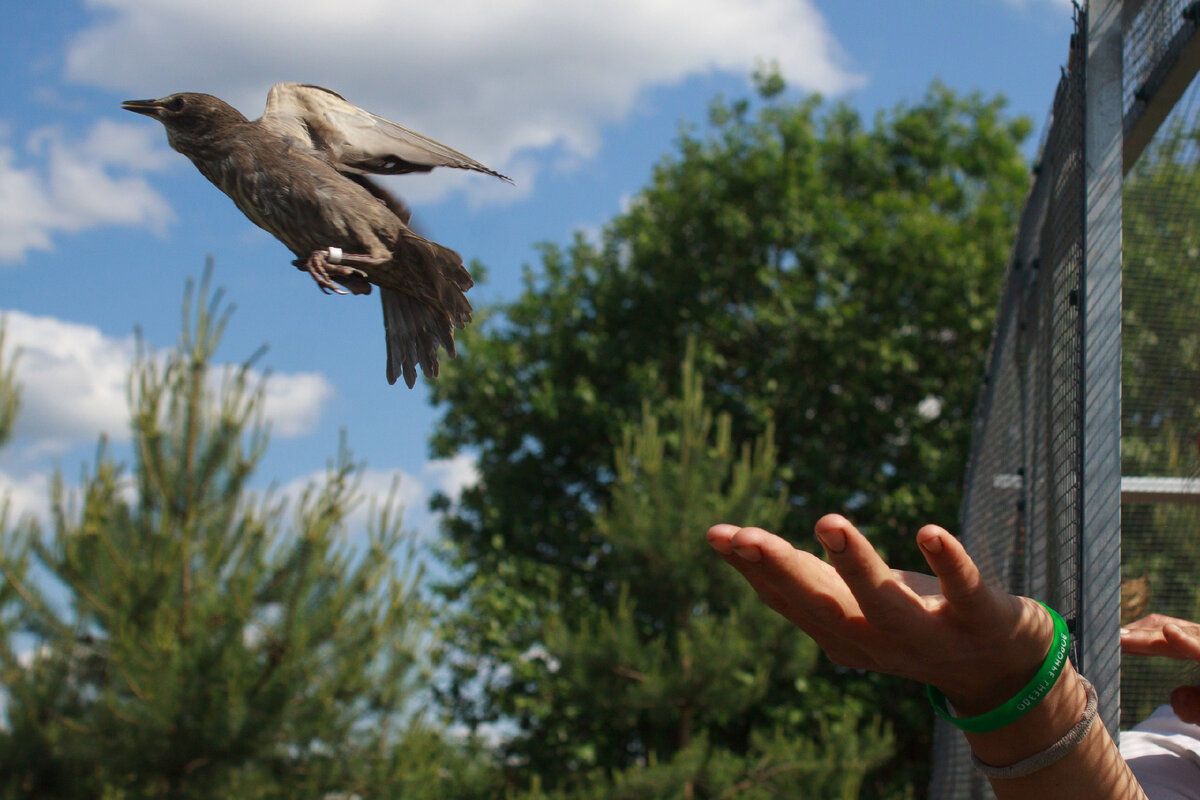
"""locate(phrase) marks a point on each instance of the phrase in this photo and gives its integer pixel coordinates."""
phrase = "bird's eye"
(175, 104)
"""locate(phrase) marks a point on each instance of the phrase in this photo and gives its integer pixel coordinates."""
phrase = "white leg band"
(335, 255)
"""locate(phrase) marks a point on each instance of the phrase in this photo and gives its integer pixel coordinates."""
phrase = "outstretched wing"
(354, 139)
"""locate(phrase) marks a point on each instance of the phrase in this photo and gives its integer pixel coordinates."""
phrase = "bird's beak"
(148, 107)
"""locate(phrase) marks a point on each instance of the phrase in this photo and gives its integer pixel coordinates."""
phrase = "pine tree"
(655, 688)
(174, 635)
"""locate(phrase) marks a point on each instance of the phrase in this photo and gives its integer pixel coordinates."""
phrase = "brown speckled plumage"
(298, 172)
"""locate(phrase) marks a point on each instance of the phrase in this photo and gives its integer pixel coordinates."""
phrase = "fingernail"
(720, 546)
(1125, 631)
(932, 545)
(749, 553)
(834, 539)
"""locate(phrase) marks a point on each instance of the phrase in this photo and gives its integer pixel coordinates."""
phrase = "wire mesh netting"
(1024, 501)
(1154, 34)
(1161, 397)
(1021, 515)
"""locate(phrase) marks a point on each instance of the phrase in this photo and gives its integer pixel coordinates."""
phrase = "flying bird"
(300, 172)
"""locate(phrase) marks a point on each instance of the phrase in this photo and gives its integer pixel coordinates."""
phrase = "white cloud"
(72, 380)
(73, 385)
(452, 475)
(490, 79)
(25, 496)
(59, 184)
(294, 401)
(412, 492)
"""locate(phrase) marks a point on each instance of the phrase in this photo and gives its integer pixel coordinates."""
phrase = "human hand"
(978, 645)
(1160, 635)
(1168, 637)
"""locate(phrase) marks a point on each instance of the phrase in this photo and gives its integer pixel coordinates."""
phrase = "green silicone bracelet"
(1026, 699)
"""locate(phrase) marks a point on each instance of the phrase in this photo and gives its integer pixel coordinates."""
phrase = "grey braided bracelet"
(1052, 753)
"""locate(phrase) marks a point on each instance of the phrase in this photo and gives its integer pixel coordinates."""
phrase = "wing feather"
(357, 140)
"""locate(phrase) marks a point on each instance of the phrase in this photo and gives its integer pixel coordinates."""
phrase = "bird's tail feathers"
(413, 334)
(434, 263)
(422, 315)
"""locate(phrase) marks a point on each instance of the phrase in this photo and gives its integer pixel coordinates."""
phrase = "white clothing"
(1164, 753)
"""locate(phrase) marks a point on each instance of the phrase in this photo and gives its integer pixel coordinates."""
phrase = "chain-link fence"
(1020, 517)
(1088, 420)
(1160, 419)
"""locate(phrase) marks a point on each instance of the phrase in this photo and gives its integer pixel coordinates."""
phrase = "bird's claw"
(321, 263)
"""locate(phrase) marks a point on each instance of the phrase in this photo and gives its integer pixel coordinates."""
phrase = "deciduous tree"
(839, 278)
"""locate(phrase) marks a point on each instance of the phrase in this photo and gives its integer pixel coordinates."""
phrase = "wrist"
(1045, 724)
(1056, 752)
(1011, 663)
(1026, 699)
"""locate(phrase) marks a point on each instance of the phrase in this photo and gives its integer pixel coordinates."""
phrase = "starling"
(300, 172)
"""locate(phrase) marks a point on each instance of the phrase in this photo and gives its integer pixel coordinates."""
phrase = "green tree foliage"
(839, 278)
(175, 636)
(667, 687)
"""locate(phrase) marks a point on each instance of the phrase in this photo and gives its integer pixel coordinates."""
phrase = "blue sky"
(101, 223)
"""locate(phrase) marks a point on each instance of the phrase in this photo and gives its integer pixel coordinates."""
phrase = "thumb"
(959, 578)
(1185, 644)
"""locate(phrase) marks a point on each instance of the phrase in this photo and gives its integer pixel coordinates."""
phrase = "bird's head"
(189, 118)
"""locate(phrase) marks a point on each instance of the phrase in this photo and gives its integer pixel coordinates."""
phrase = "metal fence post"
(1100, 653)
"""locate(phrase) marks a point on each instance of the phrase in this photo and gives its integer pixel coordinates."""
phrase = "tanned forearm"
(1093, 769)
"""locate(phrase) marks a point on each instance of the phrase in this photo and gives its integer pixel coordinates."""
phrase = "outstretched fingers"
(746, 560)
(859, 611)
(886, 602)
(794, 583)
(969, 640)
(856, 581)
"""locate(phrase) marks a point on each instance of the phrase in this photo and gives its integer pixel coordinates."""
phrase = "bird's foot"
(356, 258)
(327, 268)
